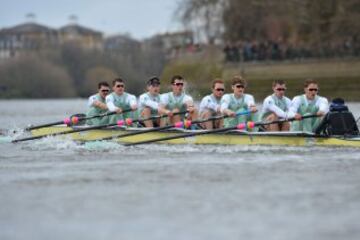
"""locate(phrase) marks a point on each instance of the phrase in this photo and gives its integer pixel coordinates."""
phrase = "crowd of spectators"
(278, 50)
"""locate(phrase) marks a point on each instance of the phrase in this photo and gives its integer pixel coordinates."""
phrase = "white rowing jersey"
(210, 102)
(279, 106)
(170, 101)
(94, 98)
(229, 101)
(148, 100)
(320, 103)
(124, 101)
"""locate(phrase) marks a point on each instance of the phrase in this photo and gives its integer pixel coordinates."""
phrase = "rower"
(276, 106)
(97, 105)
(308, 104)
(149, 102)
(210, 105)
(176, 101)
(119, 101)
(338, 121)
(236, 102)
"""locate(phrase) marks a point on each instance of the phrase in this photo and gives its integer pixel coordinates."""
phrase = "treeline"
(316, 26)
(71, 71)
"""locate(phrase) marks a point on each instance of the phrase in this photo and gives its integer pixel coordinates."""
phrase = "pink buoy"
(120, 123)
(67, 121)
(241, 126)
(179, 124)
(129, 121)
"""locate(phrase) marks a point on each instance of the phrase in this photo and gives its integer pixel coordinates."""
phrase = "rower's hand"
(218, 109)
(190, 108)
(298, 116)
(253, 109)
(118, 110)
(231, 113)
(169, 113)
(320, 114)
(133, 107)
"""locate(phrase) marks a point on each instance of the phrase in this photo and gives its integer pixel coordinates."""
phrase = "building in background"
(26, 37)
(31, 36)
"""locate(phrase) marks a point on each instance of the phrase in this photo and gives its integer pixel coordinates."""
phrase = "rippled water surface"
(56, 189)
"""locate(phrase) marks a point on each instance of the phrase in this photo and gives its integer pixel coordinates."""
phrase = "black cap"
(153, 81)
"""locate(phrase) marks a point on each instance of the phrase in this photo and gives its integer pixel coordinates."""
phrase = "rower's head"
(279, 88)
(118, 86)
(218, 88)
(153, 86)
(177, 84)
(103, 89)
(238, 85)
(311, 88)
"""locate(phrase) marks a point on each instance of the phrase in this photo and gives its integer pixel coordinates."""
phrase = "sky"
(139, 18)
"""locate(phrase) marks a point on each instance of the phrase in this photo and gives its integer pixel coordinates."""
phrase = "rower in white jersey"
(275, 107)
(210, 105)
(149, 102)
(119, 101)
(176, 101)
(308, 104)
(97, 105)
(238, 102)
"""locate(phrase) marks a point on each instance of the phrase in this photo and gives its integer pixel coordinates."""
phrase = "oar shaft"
(63, 133)
(85, 129)
(143, 131)
(181, 136)
(79, 119)
(71, 130)
(211, 131)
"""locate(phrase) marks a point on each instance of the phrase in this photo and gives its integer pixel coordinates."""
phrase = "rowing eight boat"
(234, 137)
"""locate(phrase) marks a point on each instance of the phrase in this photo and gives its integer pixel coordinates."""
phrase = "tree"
(204, 17)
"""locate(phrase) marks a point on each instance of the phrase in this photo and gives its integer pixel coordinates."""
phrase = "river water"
(55, 189)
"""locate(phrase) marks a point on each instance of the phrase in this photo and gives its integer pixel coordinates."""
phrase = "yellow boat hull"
(229, 138)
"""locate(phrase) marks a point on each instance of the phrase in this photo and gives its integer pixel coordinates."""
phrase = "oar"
(119, 123)
(241, 126)
(73, 120)
(186, 124)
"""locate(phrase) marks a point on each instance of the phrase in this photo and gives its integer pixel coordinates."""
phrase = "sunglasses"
(178, 84)
(280, 89)
(239, 86)
(220, 89)
(313, 89)
(119, 86)
(105, 90)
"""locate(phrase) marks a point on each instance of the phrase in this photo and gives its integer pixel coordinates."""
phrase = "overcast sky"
(140, 18)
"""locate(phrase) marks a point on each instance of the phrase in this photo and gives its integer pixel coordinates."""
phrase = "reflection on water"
(57, 189)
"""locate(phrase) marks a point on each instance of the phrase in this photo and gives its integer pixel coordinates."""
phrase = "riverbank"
(337, 77)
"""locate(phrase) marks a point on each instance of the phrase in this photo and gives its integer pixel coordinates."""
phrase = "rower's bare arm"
(228, 112)
(100, 105)
(163, 111)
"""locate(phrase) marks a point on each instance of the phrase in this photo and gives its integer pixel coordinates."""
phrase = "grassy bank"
(337, 78)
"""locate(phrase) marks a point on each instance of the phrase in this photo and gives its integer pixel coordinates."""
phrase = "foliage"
(32, 77)
(316, 23)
